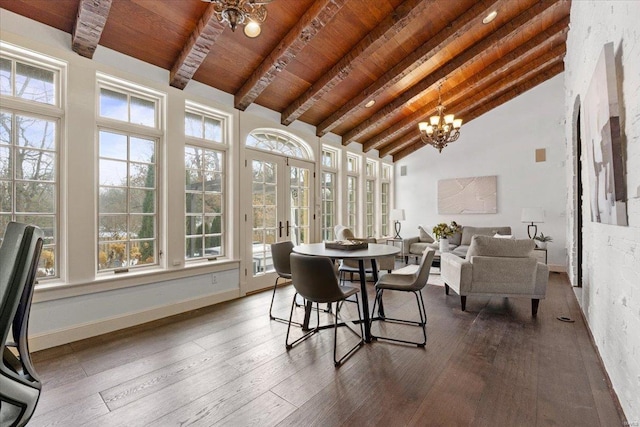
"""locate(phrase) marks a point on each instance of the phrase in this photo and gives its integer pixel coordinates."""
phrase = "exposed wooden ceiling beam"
(473, 53)
(387, 29)
(87, 29)
(540, 78)
(458, 27)
(318, 15)
(528, 71)
(469, 102)
(525, 52)
(481, 97)
(196, 49)
(401, 141)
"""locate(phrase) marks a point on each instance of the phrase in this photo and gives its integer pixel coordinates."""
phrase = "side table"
(393, 241)
(541, 254)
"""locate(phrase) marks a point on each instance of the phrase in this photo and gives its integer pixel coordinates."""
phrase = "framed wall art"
(476, 195)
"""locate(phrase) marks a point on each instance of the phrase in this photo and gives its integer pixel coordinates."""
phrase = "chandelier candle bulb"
(251, 13)
(252, 29)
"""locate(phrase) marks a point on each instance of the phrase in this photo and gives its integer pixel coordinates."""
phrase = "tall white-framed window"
(329, 191)
(205, 155)
(130, 130)
(353, 172)
(370, 198)
(31, 119)
(385, 199)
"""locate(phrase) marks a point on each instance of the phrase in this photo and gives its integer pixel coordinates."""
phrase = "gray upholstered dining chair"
(280, 254)
(314, 278)
(413, 283)
(19, 383)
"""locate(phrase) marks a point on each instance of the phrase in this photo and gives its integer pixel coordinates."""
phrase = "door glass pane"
(299, 203)
(264, 214)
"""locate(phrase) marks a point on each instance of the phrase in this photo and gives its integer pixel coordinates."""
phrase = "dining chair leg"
(422, 323)
(305, 336)
(337, 362)
(280, 319)
(376, 304)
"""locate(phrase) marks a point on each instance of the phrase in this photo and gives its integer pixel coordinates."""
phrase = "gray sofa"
(458, 243)
(496, 267)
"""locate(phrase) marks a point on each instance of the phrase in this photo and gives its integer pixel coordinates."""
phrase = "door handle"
(287, 228)
(279, 228)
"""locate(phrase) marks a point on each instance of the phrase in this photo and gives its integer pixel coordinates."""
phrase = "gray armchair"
(496, 267)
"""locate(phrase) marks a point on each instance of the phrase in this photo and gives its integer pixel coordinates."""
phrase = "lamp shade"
(532, 215)
(397, 215)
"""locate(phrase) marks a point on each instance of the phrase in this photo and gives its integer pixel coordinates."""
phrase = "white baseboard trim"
(103, 326)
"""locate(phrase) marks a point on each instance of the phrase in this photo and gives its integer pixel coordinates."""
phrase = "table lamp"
(532, 215)
(397, 215)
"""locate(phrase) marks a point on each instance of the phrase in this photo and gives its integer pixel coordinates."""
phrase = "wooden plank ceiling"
(322, 61)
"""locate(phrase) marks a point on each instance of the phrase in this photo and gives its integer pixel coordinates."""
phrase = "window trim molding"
(226, 147)
(158, 133)
(57, 113)
(308, 150)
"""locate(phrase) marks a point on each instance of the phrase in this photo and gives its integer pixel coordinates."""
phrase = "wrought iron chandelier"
(251, 13)
(442, 129)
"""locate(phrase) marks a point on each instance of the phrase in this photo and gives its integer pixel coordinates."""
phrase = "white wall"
(502, 142)
(610, 297)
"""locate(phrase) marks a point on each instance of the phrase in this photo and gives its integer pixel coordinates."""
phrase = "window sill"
(53, 290)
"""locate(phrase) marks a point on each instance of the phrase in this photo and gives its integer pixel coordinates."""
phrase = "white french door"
(280, 208)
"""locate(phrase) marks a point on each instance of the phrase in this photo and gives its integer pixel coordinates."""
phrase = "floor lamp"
(397, 215)
(532, 215)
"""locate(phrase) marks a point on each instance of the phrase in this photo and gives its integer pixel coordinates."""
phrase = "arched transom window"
(279, 142)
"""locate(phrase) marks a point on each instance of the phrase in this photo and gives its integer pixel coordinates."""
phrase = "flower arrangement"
(443, 230)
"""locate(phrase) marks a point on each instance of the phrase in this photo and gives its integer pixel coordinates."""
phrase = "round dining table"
(370, 253)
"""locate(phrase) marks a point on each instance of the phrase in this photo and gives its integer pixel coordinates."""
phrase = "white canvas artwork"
(604, 146)
(476, 195)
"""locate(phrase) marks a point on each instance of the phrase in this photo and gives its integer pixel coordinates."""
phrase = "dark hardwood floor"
(493, 365)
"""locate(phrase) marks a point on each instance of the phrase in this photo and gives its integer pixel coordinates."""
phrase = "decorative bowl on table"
(346, 245)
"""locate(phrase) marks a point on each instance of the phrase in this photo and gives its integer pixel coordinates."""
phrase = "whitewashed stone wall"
(610, 297)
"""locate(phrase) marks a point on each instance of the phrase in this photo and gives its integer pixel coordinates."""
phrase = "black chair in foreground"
(19, 383)
(315, 280)
(406, 283)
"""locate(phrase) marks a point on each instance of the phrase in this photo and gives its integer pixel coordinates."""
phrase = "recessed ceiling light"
(490, 17)
(370, 103)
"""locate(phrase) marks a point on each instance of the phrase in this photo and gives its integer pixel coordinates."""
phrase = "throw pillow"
(488, 246)
(424, 235)
(503, 236)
